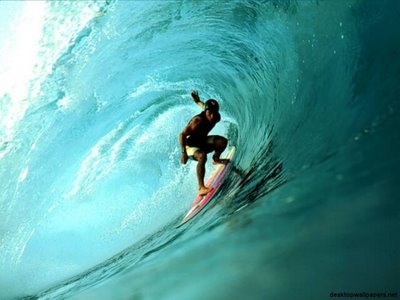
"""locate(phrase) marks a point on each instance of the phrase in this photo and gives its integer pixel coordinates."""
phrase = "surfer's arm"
(196, 99)
(191, 128)
(182, 142)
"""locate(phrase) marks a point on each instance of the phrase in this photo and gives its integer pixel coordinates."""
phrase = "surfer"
(196, 143)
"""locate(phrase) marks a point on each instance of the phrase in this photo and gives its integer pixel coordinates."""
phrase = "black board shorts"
(206, 146)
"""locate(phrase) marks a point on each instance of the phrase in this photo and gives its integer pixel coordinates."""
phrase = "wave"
(89, 151)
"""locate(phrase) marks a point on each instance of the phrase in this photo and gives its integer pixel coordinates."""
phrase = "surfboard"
(214, 182)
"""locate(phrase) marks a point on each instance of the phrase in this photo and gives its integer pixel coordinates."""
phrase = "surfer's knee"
(200, 156)
(220, 142)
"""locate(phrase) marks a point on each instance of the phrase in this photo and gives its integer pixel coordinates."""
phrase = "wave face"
(93, 97)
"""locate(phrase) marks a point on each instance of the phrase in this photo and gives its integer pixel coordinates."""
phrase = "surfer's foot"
(204, 191)
(217, 161)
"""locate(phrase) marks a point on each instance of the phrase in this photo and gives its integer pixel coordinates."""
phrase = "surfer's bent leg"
(219, 145)
(201, 158)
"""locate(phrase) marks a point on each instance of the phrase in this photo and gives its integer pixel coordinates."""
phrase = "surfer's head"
(211, 104)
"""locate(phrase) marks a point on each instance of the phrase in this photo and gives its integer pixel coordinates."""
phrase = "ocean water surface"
(93, 95)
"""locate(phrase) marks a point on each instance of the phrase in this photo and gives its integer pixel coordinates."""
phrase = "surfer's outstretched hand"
(194, 93)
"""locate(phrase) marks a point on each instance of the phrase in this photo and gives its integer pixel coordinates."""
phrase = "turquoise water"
(93, 96)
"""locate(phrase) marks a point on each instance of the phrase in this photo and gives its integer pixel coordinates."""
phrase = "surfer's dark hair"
(211, 104)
